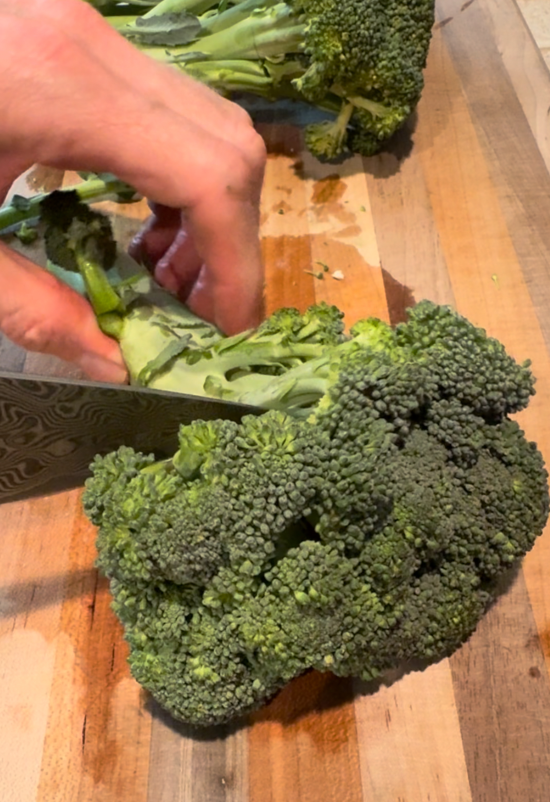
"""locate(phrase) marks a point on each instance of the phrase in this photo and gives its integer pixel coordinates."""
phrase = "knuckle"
(32, 335)
(246, 139)
(252, 150)
(240, 115)
(256, 149)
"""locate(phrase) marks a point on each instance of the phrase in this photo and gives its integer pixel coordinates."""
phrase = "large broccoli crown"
(366, 54)
(369, 46)
(373, 531)
(370, 53)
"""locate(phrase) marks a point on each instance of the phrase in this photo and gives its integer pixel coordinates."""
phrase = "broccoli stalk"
(163, 344)
(93, 189)
(362, 61)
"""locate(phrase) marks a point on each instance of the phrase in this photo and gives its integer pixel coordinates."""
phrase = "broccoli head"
(361, 60)
(364, 521)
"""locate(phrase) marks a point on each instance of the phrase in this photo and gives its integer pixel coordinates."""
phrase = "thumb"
(40, 313)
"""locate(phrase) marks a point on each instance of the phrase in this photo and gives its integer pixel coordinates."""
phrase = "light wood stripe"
(30, 612)
(410, 250)
(341, 226)
(410, 742)
(95, 703)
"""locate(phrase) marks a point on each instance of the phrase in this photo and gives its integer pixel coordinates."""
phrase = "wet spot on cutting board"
(328, 190)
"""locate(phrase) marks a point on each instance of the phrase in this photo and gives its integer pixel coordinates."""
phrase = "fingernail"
(101, 369)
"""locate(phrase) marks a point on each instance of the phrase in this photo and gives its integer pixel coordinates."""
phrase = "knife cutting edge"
(51, 429)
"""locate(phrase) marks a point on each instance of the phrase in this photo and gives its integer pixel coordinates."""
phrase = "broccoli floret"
(80, 239)
(327, 139)
(365, 518)
(369, 528)
(368, 53)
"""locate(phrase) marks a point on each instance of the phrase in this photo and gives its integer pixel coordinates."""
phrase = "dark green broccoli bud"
(208, 681)
(315, 610)
(440, 611)
(468, 364)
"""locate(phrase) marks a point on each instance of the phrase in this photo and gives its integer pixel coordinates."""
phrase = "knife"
(51, 429)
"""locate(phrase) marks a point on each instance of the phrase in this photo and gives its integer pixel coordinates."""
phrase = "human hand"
(77, 96)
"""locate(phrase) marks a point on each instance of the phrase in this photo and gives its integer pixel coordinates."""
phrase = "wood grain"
(305, 743)
(511, 762)
(457, 210)
(410, 740)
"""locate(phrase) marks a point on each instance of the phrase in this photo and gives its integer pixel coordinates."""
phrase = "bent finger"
(156, 235)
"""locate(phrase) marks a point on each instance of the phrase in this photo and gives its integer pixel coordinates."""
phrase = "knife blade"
(51, 429)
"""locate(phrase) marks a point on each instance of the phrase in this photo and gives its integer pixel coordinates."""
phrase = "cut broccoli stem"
(122, 22)
(237, 75)
(308, 383)
(99, 291)
(219, 22)
(91, 191)
(211, 20)
(360, 102)
(177, 6)
(249, 357)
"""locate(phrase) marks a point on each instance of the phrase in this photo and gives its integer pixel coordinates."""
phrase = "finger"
(215, 180)
(40, 313)
(156, 235)
(225, 232)
(179, 267)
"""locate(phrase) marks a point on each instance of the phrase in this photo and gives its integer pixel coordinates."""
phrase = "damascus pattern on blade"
(50, 430)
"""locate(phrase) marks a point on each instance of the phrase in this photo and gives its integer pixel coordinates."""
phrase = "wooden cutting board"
(458, 212)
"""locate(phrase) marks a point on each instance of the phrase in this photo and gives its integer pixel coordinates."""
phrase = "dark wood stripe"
(502, 693)
(190, 765)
